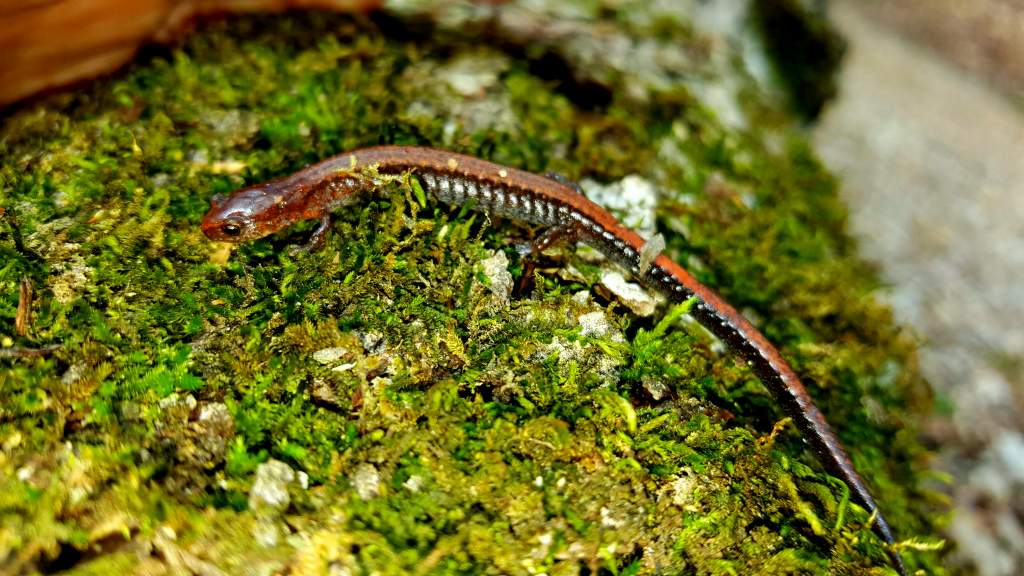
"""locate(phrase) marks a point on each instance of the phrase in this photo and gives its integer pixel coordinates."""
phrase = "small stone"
(471, 75)
(168, 401)
(329, 355)
(682, 490)
(634, 198)
(593, 357)
(270, 489)
(609, 521)
(25, 472)
(323, 392)
(216, 414)
(373, 342)
(414, 483)
(596, 323)
(656, 388)
(632, 295)
(366, 480)
(174, 401)
(266, 533)
(73, 374)
(495, 269)
(176, 409)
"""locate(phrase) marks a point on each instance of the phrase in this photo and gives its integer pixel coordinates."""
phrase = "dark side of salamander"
(566, 215)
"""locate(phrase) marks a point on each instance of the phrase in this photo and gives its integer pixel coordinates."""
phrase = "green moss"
(444, 432)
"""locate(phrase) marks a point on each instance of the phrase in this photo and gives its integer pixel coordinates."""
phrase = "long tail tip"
(897, 562)
(885, 532)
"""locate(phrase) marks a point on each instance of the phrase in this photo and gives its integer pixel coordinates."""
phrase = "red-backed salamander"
(317, 190)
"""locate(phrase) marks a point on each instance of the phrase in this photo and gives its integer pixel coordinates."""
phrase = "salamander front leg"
(317, 238)
(547, 239)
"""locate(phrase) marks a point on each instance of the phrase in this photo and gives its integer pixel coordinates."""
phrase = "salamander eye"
(231, 229)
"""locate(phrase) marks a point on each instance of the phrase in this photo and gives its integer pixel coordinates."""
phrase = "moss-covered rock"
(432, 425)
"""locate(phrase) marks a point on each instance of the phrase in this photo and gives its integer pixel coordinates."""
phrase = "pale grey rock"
(638, 300)
(269, 491)
(366, 480)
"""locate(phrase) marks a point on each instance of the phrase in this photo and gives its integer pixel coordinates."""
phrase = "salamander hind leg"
(552, 236)
(530, 252)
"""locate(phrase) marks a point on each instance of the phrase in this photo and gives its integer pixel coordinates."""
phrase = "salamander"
(565, 214)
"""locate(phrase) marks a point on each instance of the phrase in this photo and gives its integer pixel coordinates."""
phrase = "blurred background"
(927, 137)
(926, 132)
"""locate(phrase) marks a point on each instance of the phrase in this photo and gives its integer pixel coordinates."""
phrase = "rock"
(632, 295)
(266, 533)
(270, 489)
(413, 483)
(366, 480)
(596, 323)
(470, 75)
(373, 343)
(495, 269)
(633, 198)
(329, 355)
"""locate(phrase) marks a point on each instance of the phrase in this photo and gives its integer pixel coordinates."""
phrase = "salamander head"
(250, 213)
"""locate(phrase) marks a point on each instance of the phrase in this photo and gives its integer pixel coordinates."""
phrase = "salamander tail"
(885, 533)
